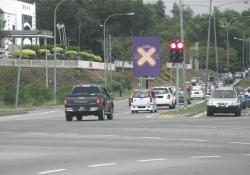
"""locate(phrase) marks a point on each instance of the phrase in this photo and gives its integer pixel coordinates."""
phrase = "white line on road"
(248, 114)
(203, 157)
(155, 138)
(107, 135)
(247, 154)
(149, 116)
(194, 140)
(6, 132)
(241, 143)
(37, 133)
(51, 171)
(198, 115)
(99, 165)
(150, 160)
(181, 125)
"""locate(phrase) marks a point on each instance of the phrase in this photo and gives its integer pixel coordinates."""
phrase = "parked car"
(238, 75)
(197, 94)
(88, 100)
(164, 97)
(181, 97)
(143, 100)
(224, 100)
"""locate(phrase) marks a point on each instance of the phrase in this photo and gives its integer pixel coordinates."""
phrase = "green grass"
(244, 83)
(187, 111)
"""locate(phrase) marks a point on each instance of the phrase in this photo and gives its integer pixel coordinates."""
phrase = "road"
(42, 142)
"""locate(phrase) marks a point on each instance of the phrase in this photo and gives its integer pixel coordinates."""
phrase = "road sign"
(146, 56)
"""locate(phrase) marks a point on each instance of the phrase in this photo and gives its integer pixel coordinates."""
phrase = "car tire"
(69, 117)
(209, 113)
(101, 114)
(133, 112)
(110, 116)
(79, 118)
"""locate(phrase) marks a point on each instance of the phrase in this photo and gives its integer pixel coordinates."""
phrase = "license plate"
(81, 109)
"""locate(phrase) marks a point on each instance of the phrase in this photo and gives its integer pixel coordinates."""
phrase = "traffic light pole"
(177, 87)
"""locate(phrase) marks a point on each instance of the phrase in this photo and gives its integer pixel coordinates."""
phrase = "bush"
(58, 50)
(90, 57)
(43, 51)
(35, 48)
(25, 53)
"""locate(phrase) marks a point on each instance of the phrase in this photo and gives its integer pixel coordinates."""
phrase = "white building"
(17, 16)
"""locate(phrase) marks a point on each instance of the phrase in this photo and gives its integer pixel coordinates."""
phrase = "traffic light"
(176, 51)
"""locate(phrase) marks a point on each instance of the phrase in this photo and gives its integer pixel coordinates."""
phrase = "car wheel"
(209, 113)
(133, 112)
(79, 118)
(110, 116)
(101, 114)
(69, 117)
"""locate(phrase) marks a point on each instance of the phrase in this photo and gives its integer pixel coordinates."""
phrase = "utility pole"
(184, 60)
(208, 42)
(215, 44)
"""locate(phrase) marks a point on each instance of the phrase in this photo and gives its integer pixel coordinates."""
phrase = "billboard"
(146, 56)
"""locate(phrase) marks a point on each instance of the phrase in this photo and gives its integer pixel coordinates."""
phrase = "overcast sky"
(235, 4)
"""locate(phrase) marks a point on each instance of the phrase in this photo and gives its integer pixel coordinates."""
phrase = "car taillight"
(168, 97)
(98, 100)
(65, 102)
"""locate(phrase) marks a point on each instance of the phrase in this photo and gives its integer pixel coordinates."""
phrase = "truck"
(87, 100)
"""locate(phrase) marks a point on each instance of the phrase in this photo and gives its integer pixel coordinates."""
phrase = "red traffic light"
(180, 45)
(173, 45)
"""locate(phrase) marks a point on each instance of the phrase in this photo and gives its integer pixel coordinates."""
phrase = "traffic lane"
(47, 152)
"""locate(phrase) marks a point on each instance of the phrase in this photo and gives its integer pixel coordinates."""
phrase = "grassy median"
(189, 111)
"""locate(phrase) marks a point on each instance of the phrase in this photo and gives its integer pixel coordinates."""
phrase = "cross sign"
(146, 56)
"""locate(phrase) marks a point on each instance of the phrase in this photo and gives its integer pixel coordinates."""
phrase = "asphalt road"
(42, 142)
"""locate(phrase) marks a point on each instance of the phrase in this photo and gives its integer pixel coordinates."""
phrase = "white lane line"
(37, 133)
(103, 135)
(6, 132)
(181, 125)
(127, 112)
(155, 138)
(203, 157)
(51, 171)
(247, 154)
(149, 116)
(248, 114)
(198, 115)
(241, 143)
(100, 165)
(194, 140)
(150, 160)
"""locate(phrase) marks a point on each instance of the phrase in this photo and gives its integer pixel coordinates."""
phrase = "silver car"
(224, 100)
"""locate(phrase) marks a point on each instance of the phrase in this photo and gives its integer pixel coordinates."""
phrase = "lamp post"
(104, 41)
(243, 48)
(55, 101)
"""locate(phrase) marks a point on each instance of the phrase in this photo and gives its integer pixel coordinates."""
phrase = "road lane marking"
(37, 133)
(247, 154)
(194, 140)
(6, 132)
(103, 135)
(51, 171)
(248, 114)
(149, 116)
(181, 125)
(100, 165)
(150, 160)
(198, 115)
(155, 138)
(241, 143)
(203, 157)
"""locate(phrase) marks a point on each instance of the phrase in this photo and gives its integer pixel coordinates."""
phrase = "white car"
(143, 100)
(224, 100)
(196, 88)
(164, 97)
(197, 94)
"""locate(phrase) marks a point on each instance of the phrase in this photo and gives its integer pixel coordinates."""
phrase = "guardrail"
(66, 64)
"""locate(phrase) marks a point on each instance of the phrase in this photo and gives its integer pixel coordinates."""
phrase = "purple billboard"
(146, 56)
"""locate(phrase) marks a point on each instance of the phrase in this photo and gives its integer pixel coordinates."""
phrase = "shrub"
(25, 53)
(43, 51)
(32, 47)
(59, 50)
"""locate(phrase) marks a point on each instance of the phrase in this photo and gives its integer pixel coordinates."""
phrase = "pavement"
(42, 142)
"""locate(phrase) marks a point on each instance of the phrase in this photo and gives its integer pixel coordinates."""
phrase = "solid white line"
(248, 114)
(51, 171)
(241, 143)
(198, 115)
(99, 165)
(6, 132)
(149, 116)
(202, 157)
(247, 154)
(156, 138)
(181, 125)
(150, 160)
(108, 135)
(37, 133)
(194, 140)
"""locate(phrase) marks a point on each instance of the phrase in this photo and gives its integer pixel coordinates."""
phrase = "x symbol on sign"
(146, 56)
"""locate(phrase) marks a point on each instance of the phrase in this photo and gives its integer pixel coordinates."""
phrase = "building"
(18, 16)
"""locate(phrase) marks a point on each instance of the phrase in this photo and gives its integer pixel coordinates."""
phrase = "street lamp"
(243, 48)
(55, 101)
(104, 40)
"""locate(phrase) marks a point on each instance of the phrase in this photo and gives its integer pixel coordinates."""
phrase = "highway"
(42, 142)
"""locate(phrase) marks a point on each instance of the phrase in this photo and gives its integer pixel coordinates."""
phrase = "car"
(224, 100)
(88, 100)
(197, 88)
(181, 97)
(164, 97)
(143, 100)
(238, 75)
(197, 94)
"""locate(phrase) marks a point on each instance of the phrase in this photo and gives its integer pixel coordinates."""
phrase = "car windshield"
(85, 90)
(160, 90)
(140, 94)
(223, 94)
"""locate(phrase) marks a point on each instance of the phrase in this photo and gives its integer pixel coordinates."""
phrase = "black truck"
(88, 100)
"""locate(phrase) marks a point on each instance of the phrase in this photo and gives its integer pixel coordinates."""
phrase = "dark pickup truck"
(88, 100)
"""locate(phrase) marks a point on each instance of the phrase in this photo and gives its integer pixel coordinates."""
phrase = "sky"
(237, 5)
